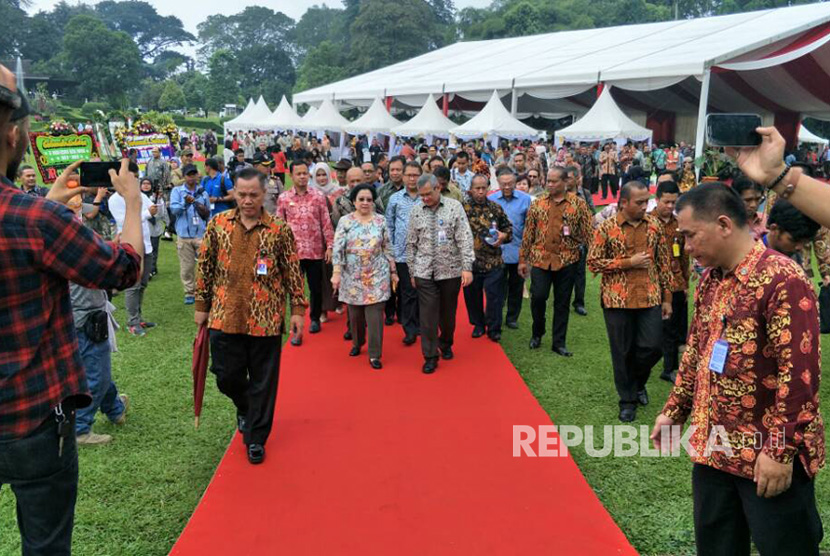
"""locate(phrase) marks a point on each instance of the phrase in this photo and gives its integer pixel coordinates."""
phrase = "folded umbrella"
(199, 368)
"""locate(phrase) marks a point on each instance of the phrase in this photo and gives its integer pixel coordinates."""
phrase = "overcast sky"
(193, 12)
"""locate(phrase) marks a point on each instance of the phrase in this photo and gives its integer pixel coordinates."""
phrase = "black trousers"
(314, 272)
(675, 331)
(514, 284)
(635, 336)
(247, 370)
(410, 313)
(728, 513)
(392, 309)
(438, 303)
(562, 281)
(579, 279)
(612, 181)
(490, 285)
(45, 486)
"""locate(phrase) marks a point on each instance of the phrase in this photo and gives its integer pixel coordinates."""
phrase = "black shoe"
(256, 453)
(410, 339)
(430, 365)
(669, 377)
(354, 352)
(389, 321)
(314, 328)
(642, 397)
(562, 351)
(628, 414)
(375, 363)
(347, 335)
(478, 332)
(296, 341)
(446, 353)
(240, 423)
(494, 336)
(535, 342)
(580, 310)
(512, 325)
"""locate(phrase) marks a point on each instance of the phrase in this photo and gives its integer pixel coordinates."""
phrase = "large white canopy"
(375, 120)
(494, 120)
(284, 116)
(254, 117)
(325, 118)
(604, 121)
(307, 116)
(235, 124)
(430, 120)
(672, 56)
(807, 136)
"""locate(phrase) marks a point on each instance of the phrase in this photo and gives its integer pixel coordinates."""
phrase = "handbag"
(824, 309)
(96, 327)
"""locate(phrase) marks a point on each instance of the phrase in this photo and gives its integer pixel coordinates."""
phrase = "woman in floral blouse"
(364, 270)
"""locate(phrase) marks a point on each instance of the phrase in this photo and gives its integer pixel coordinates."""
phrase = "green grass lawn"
(137, 493)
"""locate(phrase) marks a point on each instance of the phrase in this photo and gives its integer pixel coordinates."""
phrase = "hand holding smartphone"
(733, 130)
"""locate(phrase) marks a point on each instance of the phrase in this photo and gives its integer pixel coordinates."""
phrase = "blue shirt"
(397, 221)
(213, 187)
(189, 225)
(516, 209)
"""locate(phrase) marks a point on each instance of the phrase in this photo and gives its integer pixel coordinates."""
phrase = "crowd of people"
(395, 240)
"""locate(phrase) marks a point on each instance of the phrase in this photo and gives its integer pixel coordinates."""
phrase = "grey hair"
(427, 179)
(251, 173)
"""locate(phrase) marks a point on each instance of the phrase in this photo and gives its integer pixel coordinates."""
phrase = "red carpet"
(395, 462)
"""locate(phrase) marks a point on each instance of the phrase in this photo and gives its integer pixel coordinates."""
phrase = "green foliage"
(255, 25)
(223, 87)
(320, 24)
(152, 32)
(323, 64)
(195, 87)
(173, 97)
(150, 94)
(90, 109)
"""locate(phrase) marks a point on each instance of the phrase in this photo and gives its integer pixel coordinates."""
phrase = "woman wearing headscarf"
(322, 181)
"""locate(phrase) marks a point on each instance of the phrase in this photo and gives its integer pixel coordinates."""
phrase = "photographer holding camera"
(190, 206)
(43, 246)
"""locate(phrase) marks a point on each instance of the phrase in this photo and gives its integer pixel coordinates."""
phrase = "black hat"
(263, 158)
(189, 169)
(343, 164)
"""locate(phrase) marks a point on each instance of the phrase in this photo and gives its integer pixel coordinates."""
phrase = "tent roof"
(604, 121)
(430, 120)
(237, 121)
(284, 116)
(325, 118)
(807, 136)
(307, 116)
(636, 58)
(255, 116)
(375, 120)
(494, 119)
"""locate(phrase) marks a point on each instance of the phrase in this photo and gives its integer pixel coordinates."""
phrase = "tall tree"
(253, 25)
(323, 64)
(12, 18)
(195, 86)
(223, 80)
(173, 97)
(153, 33)
(319, 24)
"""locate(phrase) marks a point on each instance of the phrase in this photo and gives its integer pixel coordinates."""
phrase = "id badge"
(442, 237)
(261, 267)
(566, 230)
(676, 249)
(718, 360)
(197, 220)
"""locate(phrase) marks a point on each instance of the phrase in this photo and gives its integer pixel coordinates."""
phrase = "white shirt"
(118, 209)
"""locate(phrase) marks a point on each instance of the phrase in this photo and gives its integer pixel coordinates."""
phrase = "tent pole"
(701, 117)
(514, 102)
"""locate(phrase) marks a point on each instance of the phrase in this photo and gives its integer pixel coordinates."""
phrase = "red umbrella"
(200, 363)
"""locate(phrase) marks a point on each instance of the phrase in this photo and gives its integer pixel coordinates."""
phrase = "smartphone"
(733, 130)
(96, 174)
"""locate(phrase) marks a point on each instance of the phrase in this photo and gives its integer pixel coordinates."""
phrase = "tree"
(166, 64)
(223, 80)
(151, 92)
(320, 24)
(265, 70)
(153, 33)
(12, 18)
(39, 40)
(195, 86)
(104, 68)
(323, 64)
(173, 97)
(255, 25)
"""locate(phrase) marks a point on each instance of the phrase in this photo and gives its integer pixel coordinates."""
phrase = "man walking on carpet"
(247, 267)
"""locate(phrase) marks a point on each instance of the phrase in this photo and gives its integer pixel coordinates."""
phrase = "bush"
(90, 109)
(187, 123)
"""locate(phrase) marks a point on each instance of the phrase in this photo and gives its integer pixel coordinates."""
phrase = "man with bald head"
(342, 205)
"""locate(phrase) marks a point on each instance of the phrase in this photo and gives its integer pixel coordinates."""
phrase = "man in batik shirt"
(749, 379)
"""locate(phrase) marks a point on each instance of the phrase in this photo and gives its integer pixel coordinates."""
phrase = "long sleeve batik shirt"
(439, 243)
(766, 399)
(308, 216)
(363, 253)
(555, 231)
(482, 216)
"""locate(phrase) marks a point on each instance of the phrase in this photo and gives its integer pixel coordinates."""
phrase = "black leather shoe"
(256, 453)
(495, 336)
(240, 423)
(446, 353)
(376, 364)
(535, 342)
(628, 414)
(669, 377)
(580, 310)
(354, 352)
(478, 332)
(430, 365)
(389, 321)
(410, 339)
(512, 325)
(347, 335)
(296, 341)
(562, 351)
(314, 327)
(642, 397)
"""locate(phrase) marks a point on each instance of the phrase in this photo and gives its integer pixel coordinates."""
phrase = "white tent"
(807, 136)
(430, 120)
(494, 120)
(604, 121)
(236, 123)
(307, 116)
(325, 118)
(284, 117)
(375, 120)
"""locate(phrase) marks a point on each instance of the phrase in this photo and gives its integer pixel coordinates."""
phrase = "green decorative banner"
(55, 152)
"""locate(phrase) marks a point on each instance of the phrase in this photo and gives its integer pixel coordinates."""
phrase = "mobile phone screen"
(96, 174)
(733, 130)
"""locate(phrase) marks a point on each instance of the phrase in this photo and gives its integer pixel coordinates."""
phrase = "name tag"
(566, 230)
(676, 249)
(718, 360)
(442, 237)
(262, 267)
(197, 220)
